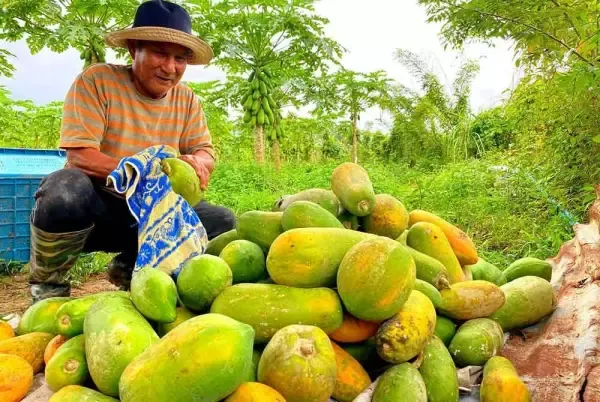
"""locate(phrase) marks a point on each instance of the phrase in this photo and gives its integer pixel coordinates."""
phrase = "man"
(112, 112)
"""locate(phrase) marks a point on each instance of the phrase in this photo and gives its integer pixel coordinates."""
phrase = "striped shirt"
(104, 110)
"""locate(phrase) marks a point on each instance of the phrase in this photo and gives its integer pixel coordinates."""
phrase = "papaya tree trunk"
(354, 139)
(276, 154)
(259, 146)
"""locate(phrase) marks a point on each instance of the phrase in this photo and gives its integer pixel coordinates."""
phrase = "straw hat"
(163, 21)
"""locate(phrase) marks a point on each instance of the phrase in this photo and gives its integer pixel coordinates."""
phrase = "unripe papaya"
(439, 372)
(322, 197)
(255, 96)
(389, 217)
(471, 299)
(348, 220)
(77, 393)
(217, 244)
(429, 269)
(400, 383)
(351, 378)
(528, 266)
(183, 314)
(528, 300)
(351, 184)
(461, 243)
(183, 179)
(260, 117)
(246, 261)
(263, 88)
(201, 280)
(154, 294)
(402, 238)
(445, 329)
(428, 290)
(260, 227)
(271, 102)
(429, 239)
(484, 271)
(70, 316)
(40, 317)
(68, 366)
(253, 121)
(248, 104)
(476, 341)
(403, 336)
(501, 382)
(306, 214)
(255, 105)
(247, 116)
(375, 278)
(255, 83)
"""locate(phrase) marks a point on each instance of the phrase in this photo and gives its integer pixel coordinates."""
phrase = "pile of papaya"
(311, 301)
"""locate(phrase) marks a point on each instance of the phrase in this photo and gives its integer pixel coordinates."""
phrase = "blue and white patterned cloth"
(169, 230)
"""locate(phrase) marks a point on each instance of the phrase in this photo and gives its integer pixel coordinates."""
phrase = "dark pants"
(69, 201)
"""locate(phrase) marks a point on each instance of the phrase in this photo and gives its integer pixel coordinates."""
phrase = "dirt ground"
(15, 298)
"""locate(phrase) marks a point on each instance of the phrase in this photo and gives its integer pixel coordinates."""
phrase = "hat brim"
(201, 52)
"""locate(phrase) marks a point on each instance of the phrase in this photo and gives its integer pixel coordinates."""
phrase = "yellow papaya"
(351, 184)
(77, 393)
(471, 299)
(30, 347)
(254, 392)
(6, 331)
(461, 243)
(429, 239)
(389, 218)
(501, 382)
(351, 378)
(16, 378)
(354, 330)
(402, 337)
(375, 278)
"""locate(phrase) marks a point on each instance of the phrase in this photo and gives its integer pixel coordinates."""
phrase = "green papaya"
(255, 83)
(429, 269)
(267, 73)
(251, 76)
(247, 116)
(246, 261)
(68, 365)
(41, 316)
(268, 308)
(484, 271)
(255, 105)
(260, 117)
(351, 184)
(324, 198)
(183, 179)
(154, 294)
(528, 266)
(255, 96)
(70, 316)
(430, 291)
(260, 227)
(439, 372)
(204, 359)
(263, 88)
(253, 121)
(217, 244)
(306, 214)
(445, 329)
(77, 393)
(271, 102)
(348, 220)
(248, 104)
(402, 238)
(115, 333)
(400, 383)
(183, 314)
(476, 341)
(201, 280)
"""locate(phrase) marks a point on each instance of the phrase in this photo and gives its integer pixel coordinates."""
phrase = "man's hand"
(199, 165)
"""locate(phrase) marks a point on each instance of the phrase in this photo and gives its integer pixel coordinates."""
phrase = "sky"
(370, 31)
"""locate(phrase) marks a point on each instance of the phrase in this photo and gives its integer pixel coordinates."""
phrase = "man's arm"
(93, 162)
(203, 163)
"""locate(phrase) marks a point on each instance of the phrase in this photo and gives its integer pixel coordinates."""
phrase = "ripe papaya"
(351, 378)
(528, 266)
(501, 382)
(351, 184)
(445, 329)
(268, 308)
(310, 257)
(246, 261)
(255, 392)
(6, 331)
(439, 372)
(40, 317)
(324, 198)
(30, 347)
(70, 316)
(77, 393)
(201, 280)
(528, 300)
(476, 341)
(209, 353)
(354, 330)
(375, 278)
(68, 366)
(115, 333)
(403, 336)
(348, 220)
(431, 292)
(389, 217)
(307, 214)
(429, 239)
(183, 314)
(53, 346)
(217, 244)
(400, 383)
(260, 227)
(461, 243)
(183, 179)
(471, 299)
(484, 271)
(429, 269)
(154, 294)
(299, 362)
(16, 378)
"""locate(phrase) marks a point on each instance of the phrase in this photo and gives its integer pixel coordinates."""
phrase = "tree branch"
(557, 4)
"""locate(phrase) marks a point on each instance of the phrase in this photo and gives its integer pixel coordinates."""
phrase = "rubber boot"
(120, 270)
(52, 256)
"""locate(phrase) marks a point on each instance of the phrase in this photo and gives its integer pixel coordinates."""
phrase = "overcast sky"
(370, 30)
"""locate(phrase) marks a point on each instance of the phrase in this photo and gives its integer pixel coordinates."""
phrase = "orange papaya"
(351, 184)
(354, 330)
(389, 217)
(30, 347)
(16, 378)
(53, 346)
(501, 382)
(351, 378)
(461, 243)
(6, 331)
(254, 392)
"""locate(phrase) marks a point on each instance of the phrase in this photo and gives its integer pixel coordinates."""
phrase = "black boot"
(120, 270)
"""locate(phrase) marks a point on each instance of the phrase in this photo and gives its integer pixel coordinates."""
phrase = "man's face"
(158, 66)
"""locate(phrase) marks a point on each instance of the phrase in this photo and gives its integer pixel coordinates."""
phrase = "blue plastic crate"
(21, 171)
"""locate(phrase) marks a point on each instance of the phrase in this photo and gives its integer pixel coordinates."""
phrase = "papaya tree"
(63, 24)
(351, 93)
(276, 45)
